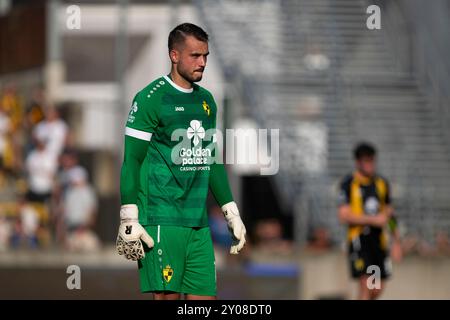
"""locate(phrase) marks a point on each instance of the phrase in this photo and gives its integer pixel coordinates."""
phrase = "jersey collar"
(173, 84)
(362, 179)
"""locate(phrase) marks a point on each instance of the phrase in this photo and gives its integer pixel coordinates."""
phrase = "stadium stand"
(314, 70)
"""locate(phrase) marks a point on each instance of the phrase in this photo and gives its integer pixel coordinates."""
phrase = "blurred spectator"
(269, 237)
(319, 240)
(26, 226)
(413, 244)
(41, 168)
(12, 105)
(410, 244)
(34, 115)
(69, 162)
(52, 131)
(316, 60)
(5, 233)
(5, 127)
(442, 243)
(12, 113)
(426, 248)
(35, 109)
(41, 135)
(80, 205)
(30, 223)
(83, 241)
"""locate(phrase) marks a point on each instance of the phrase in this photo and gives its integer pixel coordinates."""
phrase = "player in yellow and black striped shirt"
(365, 206)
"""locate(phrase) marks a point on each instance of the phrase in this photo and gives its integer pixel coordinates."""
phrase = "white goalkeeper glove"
(131, 233)
(235, 225)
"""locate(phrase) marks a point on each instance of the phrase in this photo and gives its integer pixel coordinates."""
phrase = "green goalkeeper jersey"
(180, 126)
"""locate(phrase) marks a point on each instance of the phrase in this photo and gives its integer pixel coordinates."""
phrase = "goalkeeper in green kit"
(169, 165)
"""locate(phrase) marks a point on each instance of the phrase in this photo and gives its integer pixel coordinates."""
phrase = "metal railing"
(423, 47)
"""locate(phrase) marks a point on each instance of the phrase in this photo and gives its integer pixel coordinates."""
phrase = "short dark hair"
(364, 149)
(180, 32)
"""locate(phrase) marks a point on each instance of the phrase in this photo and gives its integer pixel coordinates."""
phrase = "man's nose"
(202, 62)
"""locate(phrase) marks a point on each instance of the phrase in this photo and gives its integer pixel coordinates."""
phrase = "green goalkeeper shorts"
(182, 260)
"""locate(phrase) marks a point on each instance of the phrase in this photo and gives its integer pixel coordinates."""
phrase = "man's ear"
(174, 56)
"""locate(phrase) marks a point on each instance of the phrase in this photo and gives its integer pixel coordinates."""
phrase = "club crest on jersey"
(206, 108)
(167, 273)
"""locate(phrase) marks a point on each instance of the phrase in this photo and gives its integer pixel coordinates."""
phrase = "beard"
(190, 76)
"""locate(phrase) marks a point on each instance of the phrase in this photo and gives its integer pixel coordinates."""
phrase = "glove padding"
(131, 233)
(235, 226)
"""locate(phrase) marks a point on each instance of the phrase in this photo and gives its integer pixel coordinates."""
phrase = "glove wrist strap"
(230, 210)
(129, 213)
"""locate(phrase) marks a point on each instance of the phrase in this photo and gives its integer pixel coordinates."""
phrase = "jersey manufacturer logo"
(206, 108)
(179, 108)
(167, 273)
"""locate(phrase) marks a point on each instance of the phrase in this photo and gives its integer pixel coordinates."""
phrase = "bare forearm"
(387, 211)
(353, 219)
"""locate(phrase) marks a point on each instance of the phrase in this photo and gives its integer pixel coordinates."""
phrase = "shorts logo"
(206, 108)
(167, 273)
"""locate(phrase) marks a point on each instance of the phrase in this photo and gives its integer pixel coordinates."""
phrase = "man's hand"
(235, 225)
(131, 233)
(379, 220)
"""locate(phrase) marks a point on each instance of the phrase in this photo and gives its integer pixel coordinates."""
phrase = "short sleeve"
(92, 199)
(388, 193)
(344, 192)
(143, 118)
